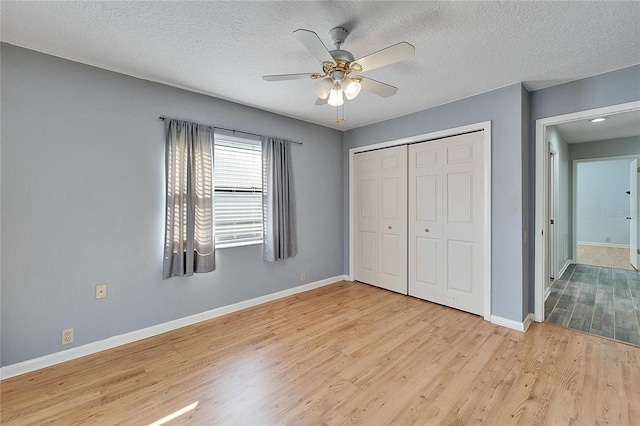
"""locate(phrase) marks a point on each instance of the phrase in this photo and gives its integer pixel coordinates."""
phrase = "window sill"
(234, 244)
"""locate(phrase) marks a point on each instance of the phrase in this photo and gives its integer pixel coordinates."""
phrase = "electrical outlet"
(67, 336)
(101, 291)
(607, 240)
(303, 276)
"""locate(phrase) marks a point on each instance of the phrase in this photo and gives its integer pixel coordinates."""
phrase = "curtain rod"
(233, 130)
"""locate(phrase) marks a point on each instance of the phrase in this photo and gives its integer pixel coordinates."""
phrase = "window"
(237, 174)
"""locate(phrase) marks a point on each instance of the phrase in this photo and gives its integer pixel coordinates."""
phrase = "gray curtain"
(189, 245)
(279, 218)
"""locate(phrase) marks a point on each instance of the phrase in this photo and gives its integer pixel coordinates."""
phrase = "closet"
(419, 220)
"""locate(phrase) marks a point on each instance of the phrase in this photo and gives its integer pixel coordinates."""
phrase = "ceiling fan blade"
(321, 101)
(376, 87)
(312, 42)
(282, 77)
(392, 54)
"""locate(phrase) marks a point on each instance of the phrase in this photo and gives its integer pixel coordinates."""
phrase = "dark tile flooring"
(602, 301)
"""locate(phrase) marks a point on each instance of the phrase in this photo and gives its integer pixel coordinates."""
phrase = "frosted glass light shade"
(323, 87)
(351, 89)
(335, 97)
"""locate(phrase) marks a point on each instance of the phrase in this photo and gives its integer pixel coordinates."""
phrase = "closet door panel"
(366, 218)
(427, 273)
(381, 218)
(393, 219)
(425, 222)
(445, 221)
(463, 225)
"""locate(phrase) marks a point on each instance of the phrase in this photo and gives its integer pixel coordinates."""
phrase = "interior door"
(446, 221)
(634, 177)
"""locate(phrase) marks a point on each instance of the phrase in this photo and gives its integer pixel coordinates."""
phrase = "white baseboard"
(123, 339)
(589, 243)
(515, 325)
(564, 268)
(547, 292)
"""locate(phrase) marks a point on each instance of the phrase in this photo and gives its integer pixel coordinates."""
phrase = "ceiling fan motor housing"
(342, 58)
(342, 55)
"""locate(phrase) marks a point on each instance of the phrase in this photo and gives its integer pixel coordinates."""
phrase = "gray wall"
(527, 212)
(612, 88)
(601, 149)
(602, 203)
(504, 108)
(83, 203)
(606, 148)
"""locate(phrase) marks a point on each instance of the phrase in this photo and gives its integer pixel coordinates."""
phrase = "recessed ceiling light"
(599, 119)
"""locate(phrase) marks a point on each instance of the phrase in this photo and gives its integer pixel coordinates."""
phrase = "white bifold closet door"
(381, 218)
(446, 221)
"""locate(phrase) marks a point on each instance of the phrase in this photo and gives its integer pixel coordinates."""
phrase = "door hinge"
(638, 251)
(552, 221)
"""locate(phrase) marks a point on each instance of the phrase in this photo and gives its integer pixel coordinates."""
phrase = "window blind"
(237, 175)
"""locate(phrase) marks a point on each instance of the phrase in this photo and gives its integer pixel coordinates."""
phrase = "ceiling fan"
(336, 83)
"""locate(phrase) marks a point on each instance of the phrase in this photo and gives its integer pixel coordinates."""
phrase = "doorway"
(591, 298)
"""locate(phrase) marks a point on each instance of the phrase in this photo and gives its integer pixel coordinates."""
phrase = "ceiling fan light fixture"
(334, 85)
(323, 87)
(351, 89)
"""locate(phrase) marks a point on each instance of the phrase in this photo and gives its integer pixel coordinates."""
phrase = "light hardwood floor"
(347, 353)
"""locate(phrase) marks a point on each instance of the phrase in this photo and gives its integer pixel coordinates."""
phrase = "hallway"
(597, 300)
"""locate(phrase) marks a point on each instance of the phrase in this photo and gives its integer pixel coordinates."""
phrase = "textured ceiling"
(621, 125)
(223, 48)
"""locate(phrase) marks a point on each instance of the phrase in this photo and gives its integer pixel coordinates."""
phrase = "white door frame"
(542, 176)
(486, 127)
(553, 207)
(634, 189)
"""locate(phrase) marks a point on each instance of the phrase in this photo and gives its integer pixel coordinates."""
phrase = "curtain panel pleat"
(279, 212)
(189, 231)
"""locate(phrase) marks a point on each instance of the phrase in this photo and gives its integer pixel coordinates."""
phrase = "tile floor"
(602, 301)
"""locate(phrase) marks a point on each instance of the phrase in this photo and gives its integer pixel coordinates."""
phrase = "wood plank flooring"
(347, 353)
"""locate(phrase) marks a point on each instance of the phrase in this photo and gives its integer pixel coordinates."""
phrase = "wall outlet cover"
(67, 336)
(101, 291)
